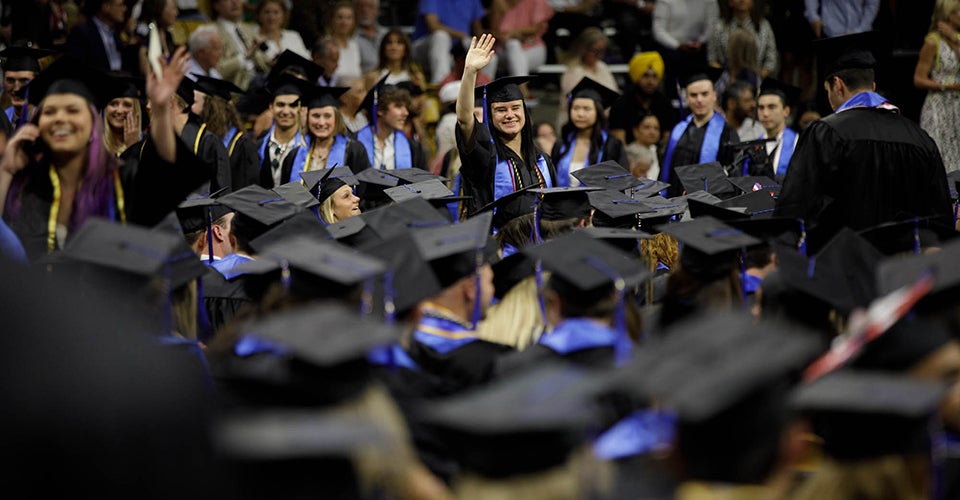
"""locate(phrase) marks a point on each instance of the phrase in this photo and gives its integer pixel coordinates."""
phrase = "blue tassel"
(543, 306)
(802, 245)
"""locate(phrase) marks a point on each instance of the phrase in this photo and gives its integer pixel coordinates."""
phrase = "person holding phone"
(56, 172)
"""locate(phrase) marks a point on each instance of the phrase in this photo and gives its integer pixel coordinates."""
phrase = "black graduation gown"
(535, 355)
(210, 150)
(687, 152)
(223, 298)
(244, 162)
(862, 167)
(478, 165)
(466, 366)
(152, 188)
(354, 157)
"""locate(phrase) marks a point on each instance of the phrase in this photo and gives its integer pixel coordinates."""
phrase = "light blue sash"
(577, 334)
(566, 155)
(708, 150)
(227, 266)
(337, 152)
(442, 344)
(504, 182)
(402, 155)
(264, 154)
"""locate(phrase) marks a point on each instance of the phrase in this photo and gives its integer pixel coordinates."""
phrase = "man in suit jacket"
(235, 65)
(96, 42)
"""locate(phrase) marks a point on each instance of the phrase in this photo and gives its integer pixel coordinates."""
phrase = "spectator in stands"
(586, 59)
(369, 32)
(342, 26)
(741, 61)
(643, 97)
(439, 26)
(459, 54)
(794, 34)
(746, 15)
(646, 134)
(830, 18)
(643, 163)
(519, 25)
(807, 113)
(206, 49)
(272, 37)
(326, 53)
(633, 20)
(395, 62)
(570, 18)
(44, 24)
(163, 13)
(306, 18)
(546, 136)
(235, 65)
(740, 109)
(936, 72)
(96, 42)
(682, 29)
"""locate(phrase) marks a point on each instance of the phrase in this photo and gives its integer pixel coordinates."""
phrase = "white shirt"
(574, 166)
(384, 157)
(348, 68)
(279, 156)
(654, 172)
(289, 40)
(194, 69)
(679, 21)
(233, 29)
(749, 129)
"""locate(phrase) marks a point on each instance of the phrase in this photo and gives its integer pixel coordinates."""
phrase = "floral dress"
(941, 110)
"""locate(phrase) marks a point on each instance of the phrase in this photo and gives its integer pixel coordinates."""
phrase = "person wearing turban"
(642, 97)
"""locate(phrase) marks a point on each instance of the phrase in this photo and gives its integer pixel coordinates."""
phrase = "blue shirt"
(455, 14)
(841, 17)
(107, 34)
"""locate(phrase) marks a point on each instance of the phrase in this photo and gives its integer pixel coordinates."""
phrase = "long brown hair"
(407, 61)
(220, 115)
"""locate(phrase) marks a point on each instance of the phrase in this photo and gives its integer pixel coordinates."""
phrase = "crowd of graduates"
(192, 312)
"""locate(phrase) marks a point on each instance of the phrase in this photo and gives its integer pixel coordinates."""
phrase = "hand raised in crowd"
(480, 53)
(160, 88)
(131, 130)
(14, 157)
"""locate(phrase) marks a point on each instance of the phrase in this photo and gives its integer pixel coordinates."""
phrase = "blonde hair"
(111, 141)
(662, 248)
(582, 476)
(326, 211)
(891, 477)
(583, 42)
(516, 320)
(942, 11)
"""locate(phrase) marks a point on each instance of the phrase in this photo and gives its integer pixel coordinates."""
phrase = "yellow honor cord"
(196, 142)
(54, 211)
(118, 192)
(233, 143)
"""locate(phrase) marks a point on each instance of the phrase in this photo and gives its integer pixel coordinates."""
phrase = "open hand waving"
(480, 53)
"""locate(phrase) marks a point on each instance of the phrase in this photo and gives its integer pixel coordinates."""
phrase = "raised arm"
(479, 55)
(160, 89)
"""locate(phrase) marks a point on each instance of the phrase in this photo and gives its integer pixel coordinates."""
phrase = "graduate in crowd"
(328, 143)
(73, 178)
(122, 116)
(585, 140)
(387, 146)
(20, 65)
(334, 189)
(773, 107)
(205, 225)
(866, 143)
(284, 134)
(499, 155)
(704, 141)
(213, 104)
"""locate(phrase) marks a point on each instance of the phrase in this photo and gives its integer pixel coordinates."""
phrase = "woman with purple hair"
(56, 172)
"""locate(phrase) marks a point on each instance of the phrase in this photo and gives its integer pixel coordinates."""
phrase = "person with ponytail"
(56, 172)
(585, 138)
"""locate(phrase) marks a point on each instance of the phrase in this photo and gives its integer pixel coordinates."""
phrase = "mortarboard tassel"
(285, 274)
(389, 306)
(209, 234)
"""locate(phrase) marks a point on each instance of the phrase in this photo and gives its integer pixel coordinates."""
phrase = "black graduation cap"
(510, 206)
(789, 94)
(287, 452)
(861, 415)
(409, 86)
(710, 247)
(453, 250)
(616, 205)
(627, 240)
(708, 177)
(411, 278)
(840, 274)
(321, 97)
(286, 84)
(125, 85)
(23, 58)
(907, 236)
(390, 221)
(647, 188)
(608, 175)
(302, 223)
(560, 203)
(372, 100)
(770, 228)
(314, 264)
(504, 89)
(185, 91)
(66, 75)
(755, 203)
(260, 204)
(429, 190)
(509, 271)
(289, 62)
(901, 271)
(296, 193)
(193, 212)
(373, 182)
(216, 87)
(586, 265)
(751, 183)
(255, 101)
(699, 208)
(592, 89)
(698, 73)
(412, 175)
(853, 51)
(903, 346)
(323, 183)
(135, 250)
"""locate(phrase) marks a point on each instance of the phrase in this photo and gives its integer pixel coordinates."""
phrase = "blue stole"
(442, 334)
(641, 432)
(297, 140)
(708, 150)
(9, 113)
(227, 265)
(787, 145)
(577, 334)
(867, 100)
(392, 355)
(504, 182)
(337, 152)
(750, 282)
(248, 345)
(566, 155)
(229, 136)
(10, 245)
(402, 156)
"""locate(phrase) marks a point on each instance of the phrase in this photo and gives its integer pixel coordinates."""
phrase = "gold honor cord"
(196, 142)
(54, 211)
(233, 143)
(118, 192)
